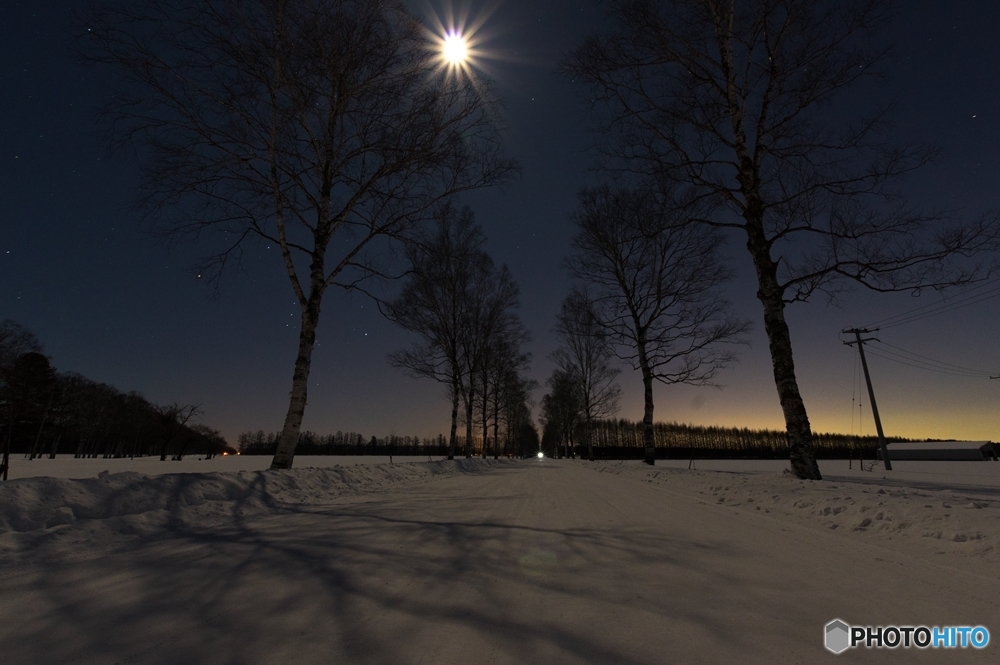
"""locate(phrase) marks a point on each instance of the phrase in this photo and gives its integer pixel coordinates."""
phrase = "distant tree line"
(623, 439)
(520, 444)
(46, 412)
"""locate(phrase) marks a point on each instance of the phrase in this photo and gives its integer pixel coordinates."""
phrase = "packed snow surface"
(482, 561)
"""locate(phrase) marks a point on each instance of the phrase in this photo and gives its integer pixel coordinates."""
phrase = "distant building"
(970, 451)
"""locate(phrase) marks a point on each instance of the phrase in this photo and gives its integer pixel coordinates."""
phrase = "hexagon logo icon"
(837, 636)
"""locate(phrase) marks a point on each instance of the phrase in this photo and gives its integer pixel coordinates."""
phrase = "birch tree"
(493, 297)
(324, 128)
(501, 383)
(561, 410)
(435, 301)
(462, 306)
(655, 282)
(745, 102)
(585, 353)
(513, 410)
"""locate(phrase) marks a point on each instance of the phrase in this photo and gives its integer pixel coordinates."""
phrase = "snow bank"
(33, 504)
(903, 510)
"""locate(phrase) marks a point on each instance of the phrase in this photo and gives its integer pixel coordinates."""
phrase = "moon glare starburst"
(456, 40)
(455, 50)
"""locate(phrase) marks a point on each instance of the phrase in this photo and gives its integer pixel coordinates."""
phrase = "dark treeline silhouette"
(623, 439)
(45, 412)
(521, 444)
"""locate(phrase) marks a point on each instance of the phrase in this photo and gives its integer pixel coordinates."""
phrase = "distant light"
(224, 454)
(540, 454)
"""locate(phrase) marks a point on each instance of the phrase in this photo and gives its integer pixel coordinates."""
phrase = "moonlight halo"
(456, 40)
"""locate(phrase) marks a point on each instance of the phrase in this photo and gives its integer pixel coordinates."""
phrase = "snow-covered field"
(65, 466)
(940, 508)
(535, 561)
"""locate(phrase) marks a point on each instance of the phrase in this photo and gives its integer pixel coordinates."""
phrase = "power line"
(933, 361)
(946, 309)
(928, 367)
(919, 311)
(970, 297)
(919, 361)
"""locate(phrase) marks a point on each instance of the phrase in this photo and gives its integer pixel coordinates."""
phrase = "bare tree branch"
(654, 281)
(737, 100)
(320, 126)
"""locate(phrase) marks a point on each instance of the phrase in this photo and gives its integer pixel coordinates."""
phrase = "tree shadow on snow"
(374, 578)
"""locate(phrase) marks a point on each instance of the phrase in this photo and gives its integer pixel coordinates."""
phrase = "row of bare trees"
(583, 387)
(622, 439)
(45, 412)
(330, 130)
(649, 295)
(720, 113)
(326, 128)
(463, 308)
(520, 444)
(341, 443)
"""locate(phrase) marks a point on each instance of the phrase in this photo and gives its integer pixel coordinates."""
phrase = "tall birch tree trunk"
(801, 454)
(648, 442)
(453, 440)
(300, 384)
(468, 423)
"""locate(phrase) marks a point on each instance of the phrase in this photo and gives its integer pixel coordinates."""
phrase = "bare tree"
(513, 409)
(493, 296)
(521, 435)
(27, 387)
(561, 411)
(324, 128)
(655, 282)
(462, 307)
(584, 353)
(434, 303)
(734, 98)
(500, 381)
(174, 419)
(212, 439)
(15, 341)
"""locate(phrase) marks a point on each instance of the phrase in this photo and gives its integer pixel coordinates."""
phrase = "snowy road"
(539, 562)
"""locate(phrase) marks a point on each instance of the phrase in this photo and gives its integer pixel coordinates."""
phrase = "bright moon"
(455, 49)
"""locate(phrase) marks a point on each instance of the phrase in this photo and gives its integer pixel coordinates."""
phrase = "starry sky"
(108, 302)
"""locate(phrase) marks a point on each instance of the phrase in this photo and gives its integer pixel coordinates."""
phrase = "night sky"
(108, 302)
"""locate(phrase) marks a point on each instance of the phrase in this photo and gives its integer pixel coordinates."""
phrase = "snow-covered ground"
(939, 508)
(535, 561)
(65, 466)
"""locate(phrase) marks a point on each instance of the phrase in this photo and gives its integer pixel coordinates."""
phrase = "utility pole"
(995, 446)
(857, 332)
